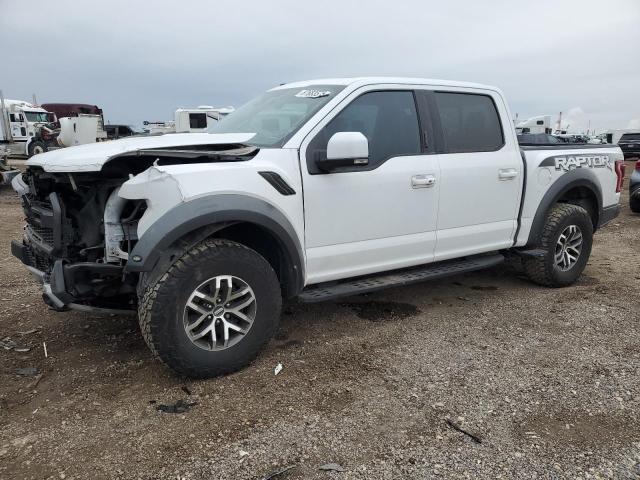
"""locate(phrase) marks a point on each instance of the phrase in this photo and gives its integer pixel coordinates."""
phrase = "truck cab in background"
(78, 123)
(26, 129)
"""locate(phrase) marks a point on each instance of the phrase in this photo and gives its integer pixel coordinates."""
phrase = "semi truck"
(26, 129)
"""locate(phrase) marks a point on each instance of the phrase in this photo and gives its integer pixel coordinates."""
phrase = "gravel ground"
(544, 381)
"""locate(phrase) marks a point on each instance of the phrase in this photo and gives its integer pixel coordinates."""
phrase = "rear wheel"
(213, 310)
(634, 202)
(566, 238)
(36, 147)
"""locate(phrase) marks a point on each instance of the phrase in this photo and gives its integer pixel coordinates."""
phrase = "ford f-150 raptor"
(313, 190)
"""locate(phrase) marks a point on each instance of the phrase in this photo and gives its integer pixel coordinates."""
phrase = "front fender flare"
(190, 216)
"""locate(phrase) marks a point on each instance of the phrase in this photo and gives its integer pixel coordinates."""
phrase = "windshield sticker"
(312, 93)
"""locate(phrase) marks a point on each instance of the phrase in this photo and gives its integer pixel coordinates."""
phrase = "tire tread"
(159, 292)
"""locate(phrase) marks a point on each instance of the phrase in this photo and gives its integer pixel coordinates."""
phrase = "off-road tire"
(634, 203)
(161, 305)
(543, 270)
(36, 145)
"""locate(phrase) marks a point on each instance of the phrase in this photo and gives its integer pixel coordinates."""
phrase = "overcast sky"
(140, 60)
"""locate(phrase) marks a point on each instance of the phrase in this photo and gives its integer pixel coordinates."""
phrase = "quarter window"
(470, 122)
(388, 119)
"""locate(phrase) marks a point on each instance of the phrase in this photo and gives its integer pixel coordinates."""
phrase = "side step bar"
(327, 291)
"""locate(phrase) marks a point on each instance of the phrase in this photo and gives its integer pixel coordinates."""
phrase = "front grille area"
(39, 261)
(43, 234)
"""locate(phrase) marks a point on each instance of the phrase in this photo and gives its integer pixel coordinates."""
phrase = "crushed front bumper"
(6, 176)
(65, 283)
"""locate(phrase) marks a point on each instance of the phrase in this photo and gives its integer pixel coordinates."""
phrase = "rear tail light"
(638, 165)
(620, 166)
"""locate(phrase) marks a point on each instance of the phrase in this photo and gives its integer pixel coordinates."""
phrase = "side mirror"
(346, 149)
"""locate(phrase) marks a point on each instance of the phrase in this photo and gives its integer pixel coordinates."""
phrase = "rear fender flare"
(580, 177)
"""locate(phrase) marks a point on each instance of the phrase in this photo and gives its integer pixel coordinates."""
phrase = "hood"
(92, 157)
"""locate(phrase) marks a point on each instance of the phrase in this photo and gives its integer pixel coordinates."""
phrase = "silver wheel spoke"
(210, 319)
(198, 308)
(240, 315)
(244, 304)
(205, 297)
(239, 294)
(195, 324)
(204, 332)
(568, 247)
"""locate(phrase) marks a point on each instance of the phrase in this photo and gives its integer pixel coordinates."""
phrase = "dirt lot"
(548, 380)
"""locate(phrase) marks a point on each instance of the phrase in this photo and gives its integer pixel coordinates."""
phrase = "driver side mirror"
(345, 149)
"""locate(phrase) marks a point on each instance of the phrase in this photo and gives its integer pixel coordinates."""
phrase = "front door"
(373, 217)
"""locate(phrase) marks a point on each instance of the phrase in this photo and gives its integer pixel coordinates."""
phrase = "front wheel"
(566, 238)
(212, 311)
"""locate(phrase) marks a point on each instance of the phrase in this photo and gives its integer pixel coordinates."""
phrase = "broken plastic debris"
(27, 371)
(7, 343)
(29, 332)
(278, 369)
(331, 467)
(179, 407)
(271, 475)
(242, 453)
(44, 345)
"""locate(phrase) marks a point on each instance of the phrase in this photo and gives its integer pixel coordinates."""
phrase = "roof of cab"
(361, 81)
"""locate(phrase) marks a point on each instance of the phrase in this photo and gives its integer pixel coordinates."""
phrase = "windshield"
(37, 116)
(276, 115)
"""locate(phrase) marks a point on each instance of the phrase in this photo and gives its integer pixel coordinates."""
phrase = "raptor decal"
(566, 163)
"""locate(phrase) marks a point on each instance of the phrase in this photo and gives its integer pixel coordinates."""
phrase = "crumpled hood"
(92, 157)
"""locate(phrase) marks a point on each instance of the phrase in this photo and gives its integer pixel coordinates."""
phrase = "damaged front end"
(81, 226)
(77, 237)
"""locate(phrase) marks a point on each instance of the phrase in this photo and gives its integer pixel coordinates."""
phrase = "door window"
(197, 120)
(470, 122)
(388, 119)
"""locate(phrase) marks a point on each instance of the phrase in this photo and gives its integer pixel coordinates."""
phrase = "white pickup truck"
(313, 190)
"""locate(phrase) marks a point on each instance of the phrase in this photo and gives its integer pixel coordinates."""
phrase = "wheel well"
(266, 244)
(585, 198)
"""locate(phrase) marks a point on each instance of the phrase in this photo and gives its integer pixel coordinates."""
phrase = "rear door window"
(470, 122)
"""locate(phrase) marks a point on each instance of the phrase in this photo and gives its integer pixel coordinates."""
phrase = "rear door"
(481, 173)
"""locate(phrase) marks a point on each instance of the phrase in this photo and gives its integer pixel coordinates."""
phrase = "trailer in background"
(189, 120)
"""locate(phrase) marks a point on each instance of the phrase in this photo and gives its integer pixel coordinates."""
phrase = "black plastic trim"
(277, 182)
(18, 250)
(212, 210)
(567, 146)
(608, 214)
(372, 283)
(524, 192)
(581, 177)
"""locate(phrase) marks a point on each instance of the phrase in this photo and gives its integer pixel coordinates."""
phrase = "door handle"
(423, 181)
(507, 173)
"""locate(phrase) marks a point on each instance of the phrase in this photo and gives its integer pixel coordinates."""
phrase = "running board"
(326, 291)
